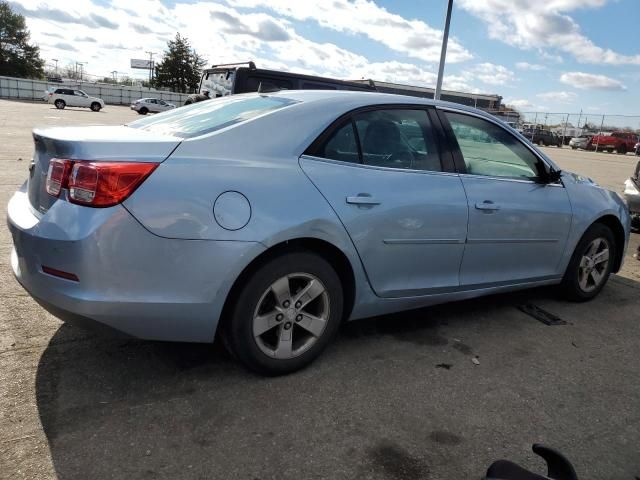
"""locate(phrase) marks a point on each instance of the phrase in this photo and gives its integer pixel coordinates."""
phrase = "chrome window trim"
(377, 167)
(499, 124)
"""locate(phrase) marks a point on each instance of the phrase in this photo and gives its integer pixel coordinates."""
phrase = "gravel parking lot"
(395, 397)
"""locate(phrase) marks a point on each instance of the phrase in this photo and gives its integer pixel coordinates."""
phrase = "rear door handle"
(488, 205)
(362, 199)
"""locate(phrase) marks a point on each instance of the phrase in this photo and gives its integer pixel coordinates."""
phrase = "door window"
(341, 145)
(492, 151)
(394, 138)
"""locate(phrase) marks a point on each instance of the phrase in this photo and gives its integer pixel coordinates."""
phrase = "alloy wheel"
(593, 265)
(291, 315)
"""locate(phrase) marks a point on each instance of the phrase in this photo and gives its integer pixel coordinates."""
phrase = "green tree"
(18, 58)
(180, 67)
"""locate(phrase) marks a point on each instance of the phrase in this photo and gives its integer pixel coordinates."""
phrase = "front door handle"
(488, 206)
(362, 199)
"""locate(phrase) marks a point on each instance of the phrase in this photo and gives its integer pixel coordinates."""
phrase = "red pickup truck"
(621, 142)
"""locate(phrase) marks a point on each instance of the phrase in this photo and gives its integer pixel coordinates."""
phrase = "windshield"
(211, 115)
(219, 83)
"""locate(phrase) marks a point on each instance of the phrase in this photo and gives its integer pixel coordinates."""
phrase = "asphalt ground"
(395, 397)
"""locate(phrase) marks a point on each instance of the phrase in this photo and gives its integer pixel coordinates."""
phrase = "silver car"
(151, 105)
(580, 142)
(271, 218)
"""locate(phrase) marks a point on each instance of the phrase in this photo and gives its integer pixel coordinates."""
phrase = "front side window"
(394, 138)
(206, 117)
(492, 151)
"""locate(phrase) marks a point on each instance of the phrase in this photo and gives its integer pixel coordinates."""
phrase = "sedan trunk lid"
(95, 143)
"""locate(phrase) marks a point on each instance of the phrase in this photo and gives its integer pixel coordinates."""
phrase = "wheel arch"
(613, 223)
(334, 255)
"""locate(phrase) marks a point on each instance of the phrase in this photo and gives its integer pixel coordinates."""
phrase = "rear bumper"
(128, 278)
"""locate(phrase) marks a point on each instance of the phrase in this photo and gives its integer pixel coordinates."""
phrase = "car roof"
(356, 99)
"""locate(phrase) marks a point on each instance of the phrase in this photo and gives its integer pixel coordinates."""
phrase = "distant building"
(478, 100)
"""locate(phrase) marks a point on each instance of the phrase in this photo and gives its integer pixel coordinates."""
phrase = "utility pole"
(151, 54)
(443, 53)
(56, 60)
(81, 68)
(115, 75)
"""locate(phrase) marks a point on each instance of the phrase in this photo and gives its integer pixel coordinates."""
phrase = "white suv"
(68, 97)
(151, 105)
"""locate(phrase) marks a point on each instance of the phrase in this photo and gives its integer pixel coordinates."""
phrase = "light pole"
(151, 54)
(443, 52)
(115, 75)
(56, 60)
(81, 68)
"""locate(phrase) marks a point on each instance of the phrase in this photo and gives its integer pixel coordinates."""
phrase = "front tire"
(622, 150)
(590, 264)
(95, 107)
(286, 314)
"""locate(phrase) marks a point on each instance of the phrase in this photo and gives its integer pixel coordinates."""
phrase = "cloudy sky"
(552, 55)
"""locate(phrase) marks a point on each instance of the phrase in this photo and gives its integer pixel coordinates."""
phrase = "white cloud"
(591, 81)
(542, 25)
(490, 74)
(519, 103)
(413, 38)
(529, 66)
(558, 97)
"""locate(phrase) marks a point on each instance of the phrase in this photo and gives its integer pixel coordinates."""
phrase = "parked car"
(213, 219)
(68, 97)
(543, 137)
(583, 142)
(636, 148)
(621, 142)
(632, 196)
(151, 105)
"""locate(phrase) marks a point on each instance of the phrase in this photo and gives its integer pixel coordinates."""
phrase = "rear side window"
(391, 138)
(211, 115)
(341, 145)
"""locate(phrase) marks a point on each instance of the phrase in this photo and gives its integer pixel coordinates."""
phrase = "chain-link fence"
(569, 125)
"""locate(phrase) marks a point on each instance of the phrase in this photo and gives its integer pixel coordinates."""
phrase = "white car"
(151, 105)
(69, 97)
(580, 142)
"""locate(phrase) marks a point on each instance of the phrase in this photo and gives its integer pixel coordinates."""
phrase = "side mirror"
(553, 176)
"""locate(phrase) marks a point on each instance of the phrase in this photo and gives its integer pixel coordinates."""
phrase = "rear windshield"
(210, 115)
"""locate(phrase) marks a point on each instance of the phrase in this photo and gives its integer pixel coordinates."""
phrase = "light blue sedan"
(271, 218)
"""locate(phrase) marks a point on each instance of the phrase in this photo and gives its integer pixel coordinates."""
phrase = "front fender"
(591, 203)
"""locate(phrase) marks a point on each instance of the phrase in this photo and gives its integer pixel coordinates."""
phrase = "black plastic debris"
(541, 315)
(446, 366)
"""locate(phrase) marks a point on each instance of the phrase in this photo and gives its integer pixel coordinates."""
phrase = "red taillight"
(57, 176)
(97, 184)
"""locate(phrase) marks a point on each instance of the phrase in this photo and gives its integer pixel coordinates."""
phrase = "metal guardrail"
(27, 89)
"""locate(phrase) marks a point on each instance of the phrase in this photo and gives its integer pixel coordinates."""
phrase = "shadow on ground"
(395, 397)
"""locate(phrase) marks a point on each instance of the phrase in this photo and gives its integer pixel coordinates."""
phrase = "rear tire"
(265, 330)
(143, 111)
(579, 284)
(60, 104)
(95, 107)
